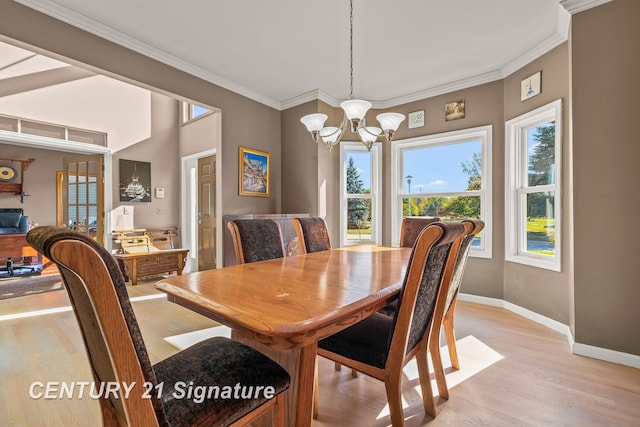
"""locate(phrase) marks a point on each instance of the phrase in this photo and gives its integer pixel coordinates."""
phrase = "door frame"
(42, 142)
(189, 216)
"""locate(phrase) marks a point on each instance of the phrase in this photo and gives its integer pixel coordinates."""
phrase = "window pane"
(444, 168)
(197, 111)
(541, 223)
(358, 173)
(359, 219)
(454, 208)
(541, 142)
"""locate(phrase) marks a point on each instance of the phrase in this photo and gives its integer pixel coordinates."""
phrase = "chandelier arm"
(370, 133)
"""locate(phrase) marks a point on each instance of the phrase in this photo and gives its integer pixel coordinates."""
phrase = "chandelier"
(354, 112)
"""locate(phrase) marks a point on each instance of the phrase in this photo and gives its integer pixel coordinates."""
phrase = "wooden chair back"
(256, 239)
(109, 328)
(312, 234)
(411, 228)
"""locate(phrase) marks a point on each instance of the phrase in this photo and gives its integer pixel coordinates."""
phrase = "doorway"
(201, 221)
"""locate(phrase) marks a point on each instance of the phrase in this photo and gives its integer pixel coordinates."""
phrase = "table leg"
(300, 363)
(306, 380)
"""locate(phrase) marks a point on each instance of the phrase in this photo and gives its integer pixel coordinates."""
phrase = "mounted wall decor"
(454, 110)
(531, 86)
(254, 172)
(135, 181)
(12, 180)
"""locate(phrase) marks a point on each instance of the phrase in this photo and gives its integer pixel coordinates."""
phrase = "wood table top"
(292, 302)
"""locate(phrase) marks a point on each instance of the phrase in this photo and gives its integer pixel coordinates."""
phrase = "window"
(533, 148)
(360, 202)
(447, 175)
(191, 112)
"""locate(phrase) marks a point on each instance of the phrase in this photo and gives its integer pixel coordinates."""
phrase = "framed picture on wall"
(254, 172)
(135, 181)
(531, 86)
(454, 110)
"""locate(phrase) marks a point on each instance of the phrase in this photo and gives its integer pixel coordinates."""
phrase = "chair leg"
(354, 373)
(315, 392)
(438, 369)
(278, 411)
(450, 335)
(425, 382)
(392, 386)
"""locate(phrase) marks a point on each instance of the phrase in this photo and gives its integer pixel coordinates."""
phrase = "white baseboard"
(576, 348)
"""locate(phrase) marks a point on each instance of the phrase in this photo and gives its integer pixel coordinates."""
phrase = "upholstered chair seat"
(117, 351)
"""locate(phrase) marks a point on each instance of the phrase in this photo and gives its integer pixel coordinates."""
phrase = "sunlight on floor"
(67, 308)
(188, 339)
(474, 357)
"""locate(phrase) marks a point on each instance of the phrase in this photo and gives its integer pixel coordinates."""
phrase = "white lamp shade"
(390, 121)
(314, 122)
(369, 134)
(330, 134)
(355, 108)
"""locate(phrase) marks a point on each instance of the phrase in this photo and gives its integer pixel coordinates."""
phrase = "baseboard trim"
(576, 348)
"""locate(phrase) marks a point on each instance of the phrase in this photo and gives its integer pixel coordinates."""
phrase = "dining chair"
(117, 352)
(312, 237)
(256, 239)
(379, 345)
(411, 228)
(472, 228)
(312, 234)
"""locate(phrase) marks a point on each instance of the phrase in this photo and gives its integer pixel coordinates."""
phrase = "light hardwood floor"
(535, 382)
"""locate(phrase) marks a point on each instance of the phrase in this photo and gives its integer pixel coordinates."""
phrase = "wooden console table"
(141, 264)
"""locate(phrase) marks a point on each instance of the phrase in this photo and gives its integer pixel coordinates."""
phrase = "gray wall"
(605, 71)
(161, 150)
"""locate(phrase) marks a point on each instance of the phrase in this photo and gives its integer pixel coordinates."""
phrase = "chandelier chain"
(351, 47)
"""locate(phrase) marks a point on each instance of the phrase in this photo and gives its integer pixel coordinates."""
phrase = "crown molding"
(92, 26)
(576, 6)
(561, 35)
(565, 9)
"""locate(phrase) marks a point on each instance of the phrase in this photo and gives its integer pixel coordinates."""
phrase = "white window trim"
(515, 191)
(482, 133)
(376, 185)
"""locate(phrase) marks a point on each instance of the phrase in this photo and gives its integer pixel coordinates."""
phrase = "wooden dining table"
(284, 306)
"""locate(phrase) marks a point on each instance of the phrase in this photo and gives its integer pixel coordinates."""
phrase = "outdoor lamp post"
(409, 181)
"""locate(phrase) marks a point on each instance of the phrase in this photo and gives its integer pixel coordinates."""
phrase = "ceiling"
(285, 52)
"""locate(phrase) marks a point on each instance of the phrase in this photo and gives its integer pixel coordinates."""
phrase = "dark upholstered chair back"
(117, 352)
(312, 234)
(472, 227)
(411, 228)
(424, 285)
(256, 239)
(101, 304)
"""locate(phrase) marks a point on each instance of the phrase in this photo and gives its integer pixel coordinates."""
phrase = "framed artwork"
(531, 86)
(254, 172)
(135, 181)
(454, 110)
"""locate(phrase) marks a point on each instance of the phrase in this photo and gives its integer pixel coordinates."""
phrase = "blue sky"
(434, 169)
